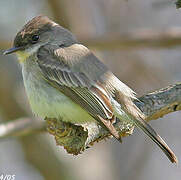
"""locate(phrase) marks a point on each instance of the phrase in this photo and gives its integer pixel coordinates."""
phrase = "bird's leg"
(109, 125)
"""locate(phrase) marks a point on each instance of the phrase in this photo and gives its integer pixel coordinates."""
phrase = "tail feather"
(142, 124)
(139, 119)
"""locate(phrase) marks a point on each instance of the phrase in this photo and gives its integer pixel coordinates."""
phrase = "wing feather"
(76, 84)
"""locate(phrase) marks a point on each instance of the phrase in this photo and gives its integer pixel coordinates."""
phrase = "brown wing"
(74, 83)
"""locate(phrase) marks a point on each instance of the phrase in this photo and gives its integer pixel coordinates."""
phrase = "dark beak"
(12, 50)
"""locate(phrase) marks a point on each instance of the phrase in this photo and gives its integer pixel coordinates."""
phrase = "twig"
(20, 127)
(154, 105)
(140, 38)
(161, 102)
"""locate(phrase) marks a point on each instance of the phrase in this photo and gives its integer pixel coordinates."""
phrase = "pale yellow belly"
(46, 101)
(57, 105)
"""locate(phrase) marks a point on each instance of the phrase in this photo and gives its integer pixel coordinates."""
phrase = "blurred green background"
(139, 41)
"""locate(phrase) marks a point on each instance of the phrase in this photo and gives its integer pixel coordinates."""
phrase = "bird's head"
(36, 33)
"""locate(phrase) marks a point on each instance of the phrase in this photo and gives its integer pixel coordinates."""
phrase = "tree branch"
(20, 127)
(76, 138)
(161, 102)
(139, 38)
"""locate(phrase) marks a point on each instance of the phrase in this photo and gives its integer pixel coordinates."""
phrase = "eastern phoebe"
(65, 80)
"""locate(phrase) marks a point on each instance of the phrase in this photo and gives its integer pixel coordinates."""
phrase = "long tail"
(139, 119)
(147, 129)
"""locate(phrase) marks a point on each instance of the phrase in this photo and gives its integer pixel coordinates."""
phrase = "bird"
(63, 79)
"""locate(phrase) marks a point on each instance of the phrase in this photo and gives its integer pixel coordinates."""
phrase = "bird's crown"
(36, 26)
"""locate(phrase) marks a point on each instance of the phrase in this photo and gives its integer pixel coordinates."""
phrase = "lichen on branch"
(76, 138)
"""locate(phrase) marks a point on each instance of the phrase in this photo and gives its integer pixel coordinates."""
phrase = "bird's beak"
(12, 50)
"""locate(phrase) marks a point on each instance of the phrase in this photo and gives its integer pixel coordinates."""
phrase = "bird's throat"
(22, 56)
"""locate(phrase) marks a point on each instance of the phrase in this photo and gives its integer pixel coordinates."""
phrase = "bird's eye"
(35, 38)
